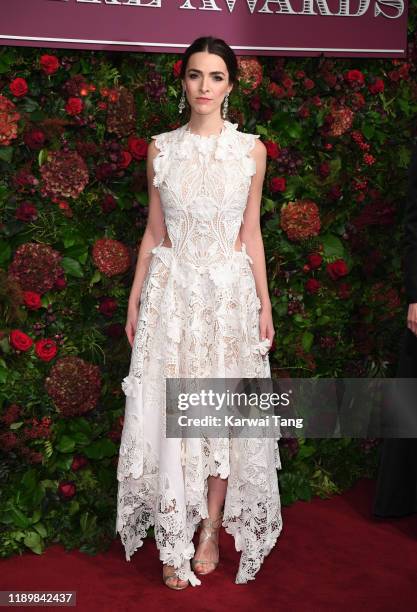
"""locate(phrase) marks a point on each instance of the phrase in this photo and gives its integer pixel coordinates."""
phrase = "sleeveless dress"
(198, 317)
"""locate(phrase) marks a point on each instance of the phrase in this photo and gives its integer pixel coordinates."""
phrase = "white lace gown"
(198, 317)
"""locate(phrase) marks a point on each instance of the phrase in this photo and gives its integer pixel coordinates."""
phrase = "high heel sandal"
(210, 528)
(167, 576)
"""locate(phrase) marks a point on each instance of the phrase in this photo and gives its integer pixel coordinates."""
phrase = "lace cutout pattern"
(198, 317)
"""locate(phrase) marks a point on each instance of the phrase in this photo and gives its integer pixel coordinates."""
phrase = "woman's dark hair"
(216, 46)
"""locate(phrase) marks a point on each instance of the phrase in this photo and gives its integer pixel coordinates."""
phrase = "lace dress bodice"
(203, 198)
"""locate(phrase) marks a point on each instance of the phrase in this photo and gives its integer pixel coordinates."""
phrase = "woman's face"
(206, 82)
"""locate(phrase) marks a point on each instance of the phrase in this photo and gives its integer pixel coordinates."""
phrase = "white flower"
(262, 347)
(249, 165)
(203, 208)
(132, 386)
(221, 274)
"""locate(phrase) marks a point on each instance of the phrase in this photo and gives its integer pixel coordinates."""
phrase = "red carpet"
(332, 555)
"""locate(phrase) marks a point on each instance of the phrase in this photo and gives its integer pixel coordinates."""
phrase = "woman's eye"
(217, 77)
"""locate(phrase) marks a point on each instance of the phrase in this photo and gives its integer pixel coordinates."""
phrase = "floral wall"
(74, 131)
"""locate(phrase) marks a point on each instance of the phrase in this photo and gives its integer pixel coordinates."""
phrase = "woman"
(197, 309)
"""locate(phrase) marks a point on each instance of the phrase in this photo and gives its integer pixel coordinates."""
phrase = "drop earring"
(181, 105)
(225, 105)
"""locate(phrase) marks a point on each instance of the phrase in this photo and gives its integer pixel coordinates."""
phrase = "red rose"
(74, 106)
(177, 68)
(34, 139)
(108, 204)
(344, 290)
(11, 414)
(313, 285)
(46, 349)
(32, 300)
(78, 462)
(324, 169)
(317, 101)
(138, 147)
(315, 260)
(60, 283)
(304, 112)
(308, 83)
(355, 77)
(108, 306)
(19, 87)
(26, 212)
(66, 489)
(335, 192)
(337, 268)
(272, 149)
(125, 159)
(19, 340)
(49, 63)
(278, 184)
(377, 86)
(275, 90)
(8, 440)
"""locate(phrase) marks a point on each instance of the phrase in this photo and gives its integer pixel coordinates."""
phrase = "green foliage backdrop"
(74, 130)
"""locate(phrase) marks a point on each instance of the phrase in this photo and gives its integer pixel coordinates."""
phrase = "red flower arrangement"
(300, 219)
(8, 121)
(74, 385)
(65, 174)
(36, 267)
(111, 256)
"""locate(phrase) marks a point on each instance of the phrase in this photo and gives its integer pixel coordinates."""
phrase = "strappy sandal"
(208, 530)
(172, 574)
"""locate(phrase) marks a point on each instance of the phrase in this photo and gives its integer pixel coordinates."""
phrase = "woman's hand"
(131, 322)
(412, 318)
(266, 325)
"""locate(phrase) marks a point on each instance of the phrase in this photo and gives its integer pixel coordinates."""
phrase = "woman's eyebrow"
(214, 72)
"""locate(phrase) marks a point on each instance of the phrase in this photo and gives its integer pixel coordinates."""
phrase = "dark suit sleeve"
(410, 232)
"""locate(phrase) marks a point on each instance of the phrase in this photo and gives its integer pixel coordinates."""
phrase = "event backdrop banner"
(376, 28)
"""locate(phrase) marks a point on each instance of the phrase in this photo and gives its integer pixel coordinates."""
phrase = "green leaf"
(65, 444)
(33, 541)
(368, 130)
(29, 105)
(6, 154)
(42, 156)
(96, 278)
(307, 340)
(294, 129)
(87, 521)
(41, 529)
(100, 449)
(332, 247)
(81, 438)
(72, 267)
(29, 480)
(5, 251)
(268, 204)
(324, 320)
(19, 518)
(64, 462)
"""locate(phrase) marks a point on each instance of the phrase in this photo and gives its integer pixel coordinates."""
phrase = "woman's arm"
(250, 231)
(155, 229)
(251, 235)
